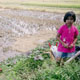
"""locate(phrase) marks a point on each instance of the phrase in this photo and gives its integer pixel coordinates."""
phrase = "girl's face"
(69, 21)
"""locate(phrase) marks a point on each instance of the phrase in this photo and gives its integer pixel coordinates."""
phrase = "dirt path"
(22, 30)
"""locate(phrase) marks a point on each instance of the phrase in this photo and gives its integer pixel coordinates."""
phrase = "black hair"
(68, 14)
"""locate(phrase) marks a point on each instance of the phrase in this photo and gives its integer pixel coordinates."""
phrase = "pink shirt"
(67, 36)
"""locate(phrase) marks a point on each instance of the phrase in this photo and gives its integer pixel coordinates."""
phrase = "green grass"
(52, 5)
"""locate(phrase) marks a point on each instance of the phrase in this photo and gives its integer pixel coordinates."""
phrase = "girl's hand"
(71, 46)
(65, 45)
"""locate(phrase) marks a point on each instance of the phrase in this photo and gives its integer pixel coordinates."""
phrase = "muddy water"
(22, 30)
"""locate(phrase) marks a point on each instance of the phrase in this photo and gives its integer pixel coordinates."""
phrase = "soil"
(23, 30)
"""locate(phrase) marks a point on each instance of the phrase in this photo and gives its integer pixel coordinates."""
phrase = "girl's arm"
(75, 40)
(58, 38)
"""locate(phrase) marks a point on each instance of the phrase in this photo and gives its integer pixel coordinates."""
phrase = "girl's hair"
(68, 14)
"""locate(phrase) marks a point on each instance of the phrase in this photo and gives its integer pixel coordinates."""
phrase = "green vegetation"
(78, 41)
(33, 67)
(52, 5)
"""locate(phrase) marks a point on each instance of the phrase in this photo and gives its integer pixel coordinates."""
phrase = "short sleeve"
(76, 32)
(60, 30)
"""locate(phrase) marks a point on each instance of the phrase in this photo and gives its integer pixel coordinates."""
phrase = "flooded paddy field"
(22, 30)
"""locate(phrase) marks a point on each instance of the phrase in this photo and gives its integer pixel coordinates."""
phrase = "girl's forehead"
(70, 17)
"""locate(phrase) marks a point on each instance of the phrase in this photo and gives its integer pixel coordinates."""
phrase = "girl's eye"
(70, 18)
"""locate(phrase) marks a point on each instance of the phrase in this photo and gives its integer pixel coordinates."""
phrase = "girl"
(67, 36)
